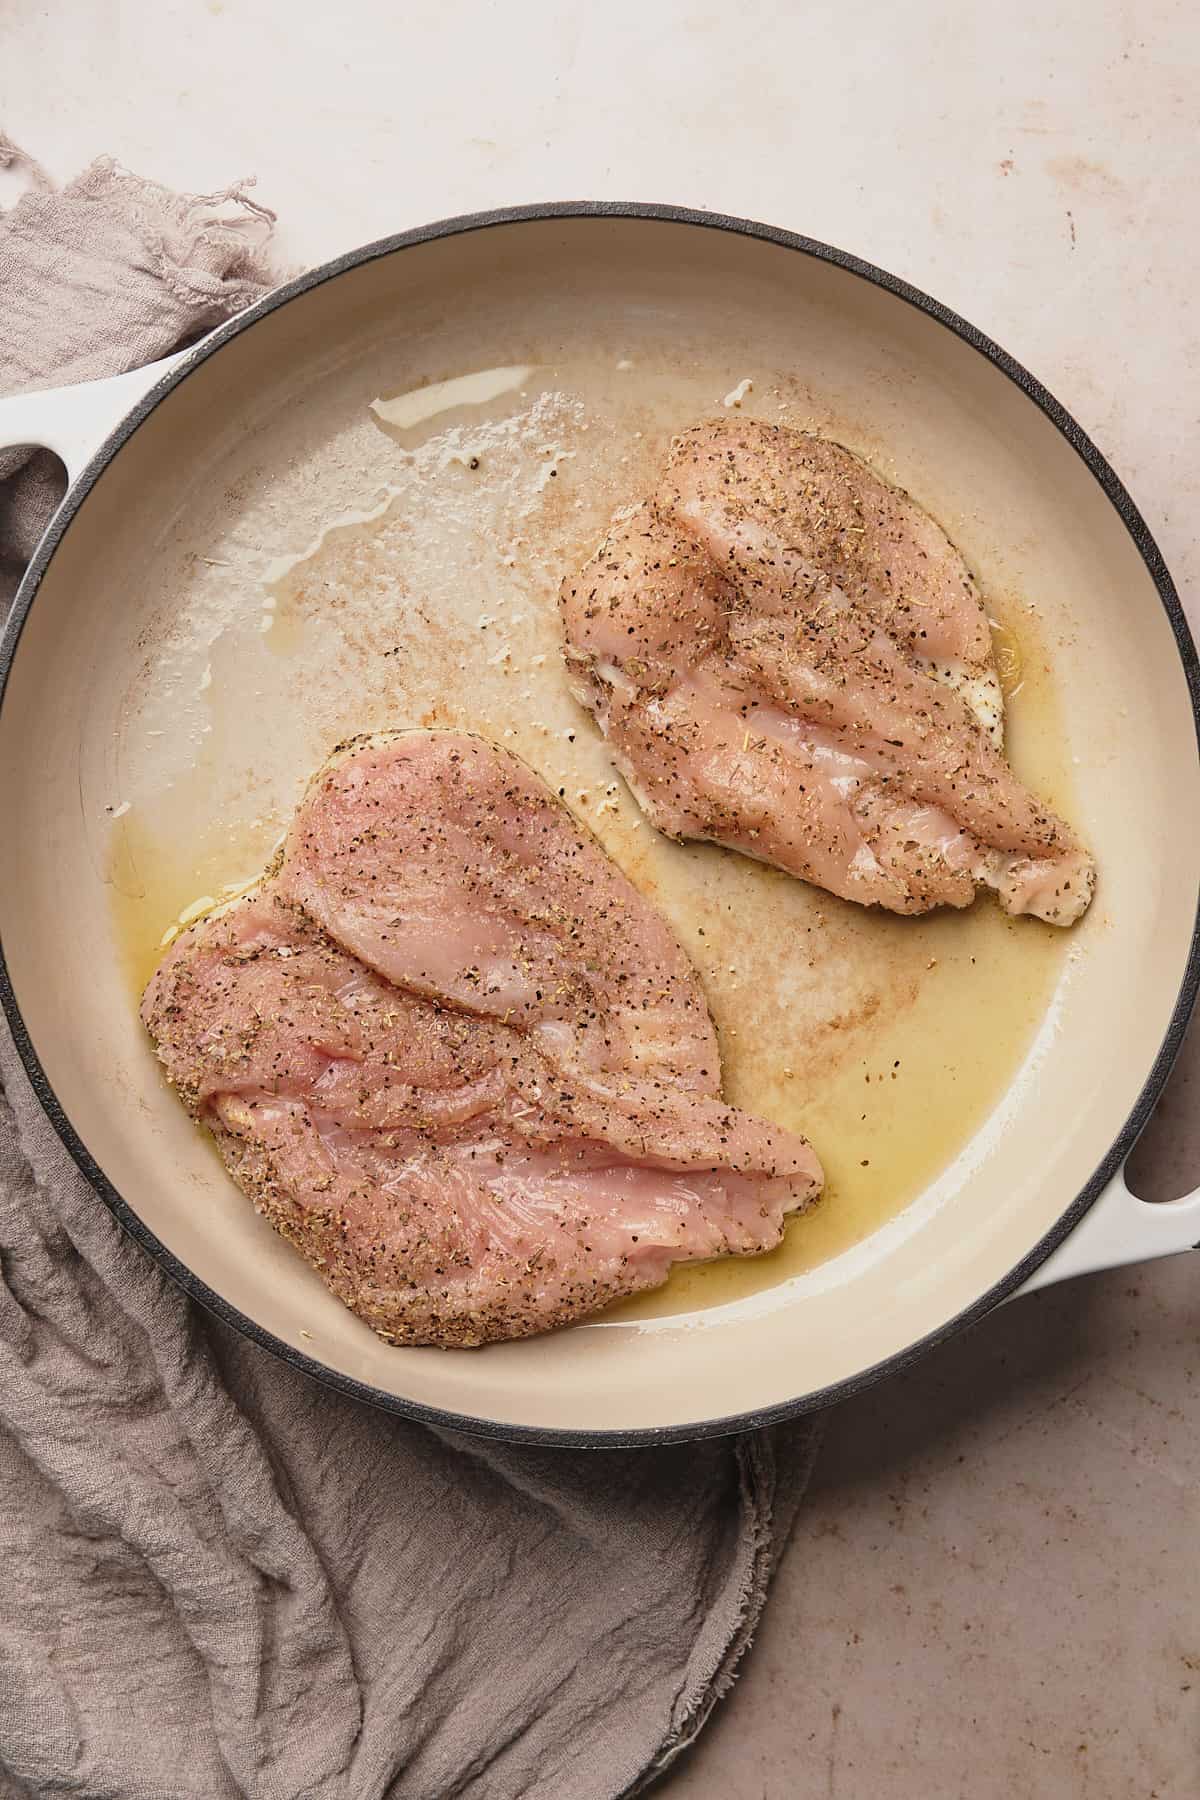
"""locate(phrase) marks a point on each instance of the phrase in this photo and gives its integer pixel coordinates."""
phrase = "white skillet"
(195, 483)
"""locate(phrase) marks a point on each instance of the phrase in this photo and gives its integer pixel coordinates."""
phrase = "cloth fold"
(220, 1578)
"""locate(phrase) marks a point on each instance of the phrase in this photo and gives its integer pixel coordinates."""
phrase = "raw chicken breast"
(458, 1060)
(866, 537)
(789, 657)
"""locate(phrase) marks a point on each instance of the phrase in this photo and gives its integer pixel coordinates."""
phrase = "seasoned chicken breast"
(789, 657)
(456, 1058)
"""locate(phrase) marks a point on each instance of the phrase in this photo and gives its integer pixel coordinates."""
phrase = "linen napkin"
(220, 1579)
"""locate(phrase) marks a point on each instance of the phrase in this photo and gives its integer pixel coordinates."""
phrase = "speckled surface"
(994, 1589)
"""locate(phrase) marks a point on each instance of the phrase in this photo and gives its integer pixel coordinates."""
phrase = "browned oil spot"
(1080, 175)
(1010, 661)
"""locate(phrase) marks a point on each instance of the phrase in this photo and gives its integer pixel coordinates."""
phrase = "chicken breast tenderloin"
(457, 1060)
(790, 658)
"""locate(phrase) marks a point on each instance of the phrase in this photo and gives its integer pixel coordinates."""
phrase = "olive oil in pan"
(426, 597)
(157, 885)
(173, 855)
(888, 1099)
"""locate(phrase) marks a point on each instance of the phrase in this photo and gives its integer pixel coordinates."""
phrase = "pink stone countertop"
(994, 1590)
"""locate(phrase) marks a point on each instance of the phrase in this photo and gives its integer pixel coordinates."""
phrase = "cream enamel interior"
(264, 442)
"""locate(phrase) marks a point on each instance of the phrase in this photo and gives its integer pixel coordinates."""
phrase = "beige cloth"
(104, 276)
(220, 1579)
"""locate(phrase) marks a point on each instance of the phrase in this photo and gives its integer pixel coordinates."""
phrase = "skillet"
(251, 563)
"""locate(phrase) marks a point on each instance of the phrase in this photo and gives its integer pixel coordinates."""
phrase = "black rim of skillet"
(1125, 1138)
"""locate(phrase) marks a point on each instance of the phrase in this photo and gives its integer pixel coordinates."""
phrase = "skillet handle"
(1121, 1229)
(74, 421)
